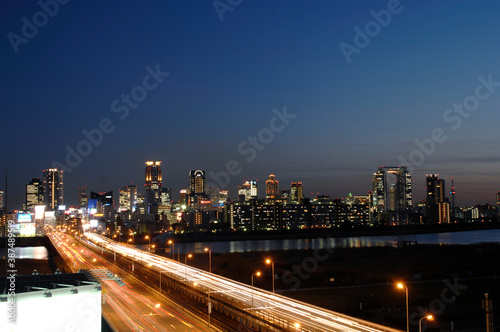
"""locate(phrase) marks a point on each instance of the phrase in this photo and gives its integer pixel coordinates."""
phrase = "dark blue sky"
(226, 77)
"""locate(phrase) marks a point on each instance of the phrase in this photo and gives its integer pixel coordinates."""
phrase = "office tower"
(498, 198)
(197, 189)
(2, 194)
(53, 188)
(402, 189)
(34, 193)
(197, 182)
(247, 191)
(223, 196)
(123, 199)
(101, 205)
(153, 182)
(401, 193)
(272, 187)
(437, 206)
(296, 192)
(184, 197)
(127, 198)
(165, 196)
(83, 198)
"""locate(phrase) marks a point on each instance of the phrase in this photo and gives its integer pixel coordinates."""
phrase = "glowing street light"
(173, 250)
(209, 259)
(258, 275)
(185, 264)
(429, 317)
(401, 286)
(139, 319)
(268, 261)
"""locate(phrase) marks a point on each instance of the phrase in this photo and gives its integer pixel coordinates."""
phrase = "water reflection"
(28, 253)
(468, 237)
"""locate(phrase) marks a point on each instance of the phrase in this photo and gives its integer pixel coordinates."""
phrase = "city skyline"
(321, 93)
(234, 193)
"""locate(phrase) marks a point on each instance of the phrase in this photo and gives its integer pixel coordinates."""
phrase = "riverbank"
(333, 232)
(448, 281)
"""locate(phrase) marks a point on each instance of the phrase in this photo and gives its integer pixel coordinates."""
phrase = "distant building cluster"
(202, 209)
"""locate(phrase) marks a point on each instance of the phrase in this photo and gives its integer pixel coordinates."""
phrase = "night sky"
(354, 101)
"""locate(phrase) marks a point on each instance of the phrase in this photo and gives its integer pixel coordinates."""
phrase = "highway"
(123, 303)
(299, 315)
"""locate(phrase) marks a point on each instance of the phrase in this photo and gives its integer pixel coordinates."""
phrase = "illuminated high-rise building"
(184, 197)
(197, 189)
(127, 198)
(437, 205)
(53, 188)
(387, 197)
(197, 182)
(83, 197)
(272, 187)
(34, 193)
(296, 193)
(247, 191)
(153, 182)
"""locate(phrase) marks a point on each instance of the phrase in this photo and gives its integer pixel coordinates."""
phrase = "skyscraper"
(247, 191)
(34, 193)
(127, 198)
(53, 188)
(83, 198)
(197, 189)
(153, 182)
(197, 182)
(296, 194)
(437, 205)
(272, 187)
(401, 192)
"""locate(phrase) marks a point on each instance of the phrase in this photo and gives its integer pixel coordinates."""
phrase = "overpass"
(253, 307)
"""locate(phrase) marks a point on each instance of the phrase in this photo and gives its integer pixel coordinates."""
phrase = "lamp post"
(258, 275)
(173, 248)
(268, 261)
(429, 317)
(148, 238)
(185, 264)
(139, 319)
(401, 286)
(209, 259)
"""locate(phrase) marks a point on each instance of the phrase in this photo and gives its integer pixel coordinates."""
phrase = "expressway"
(298, 315)
(123, 303)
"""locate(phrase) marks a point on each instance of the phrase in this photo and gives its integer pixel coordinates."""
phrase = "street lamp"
(173, 250)
(148, 238)
(139, 319)
(258, 275)
(401, 286)
(209, 259)
(268, 261)
(185, 263)
(429, 317)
